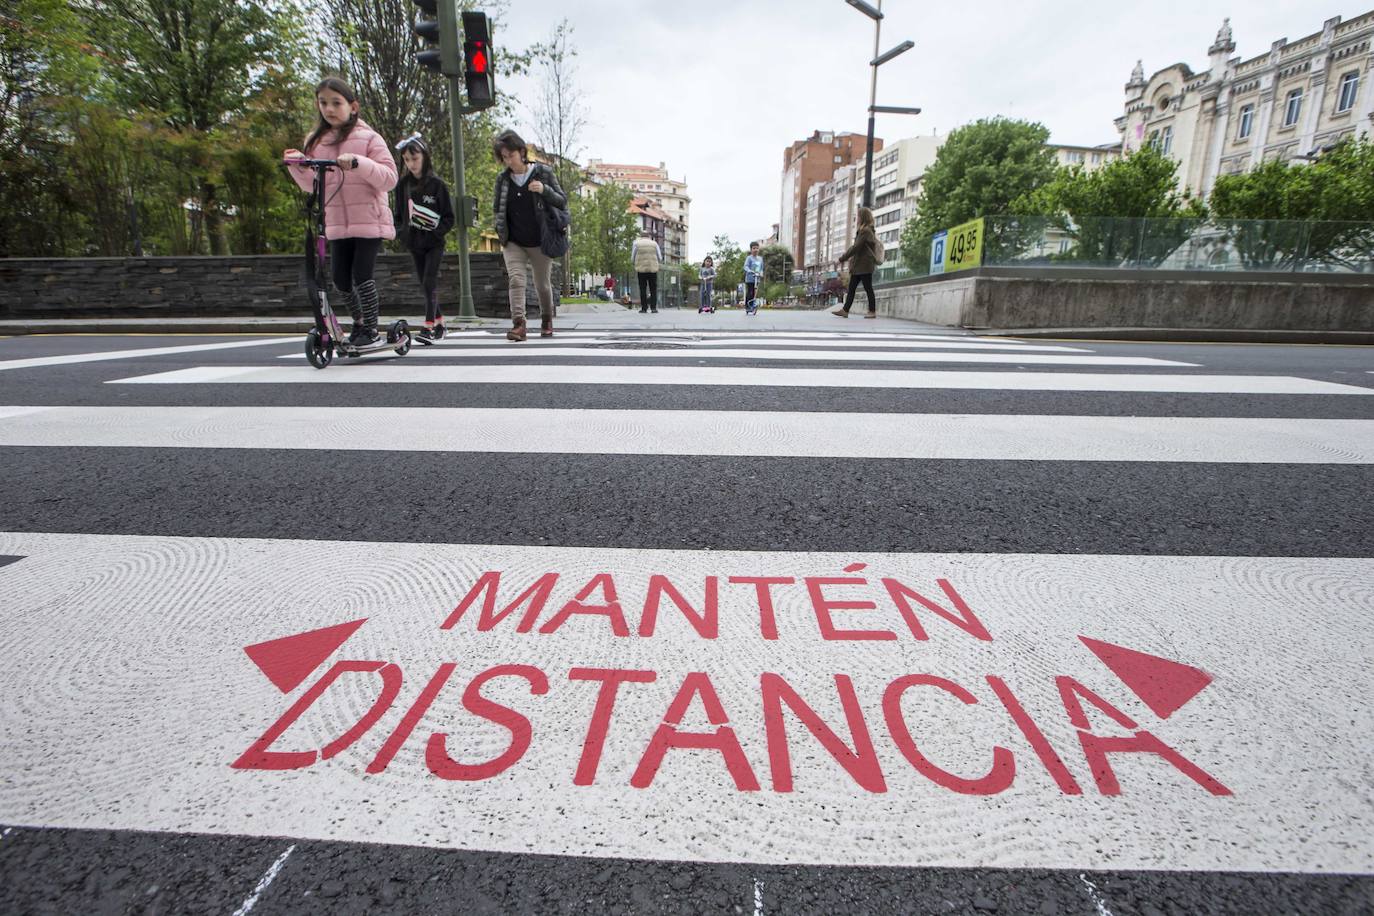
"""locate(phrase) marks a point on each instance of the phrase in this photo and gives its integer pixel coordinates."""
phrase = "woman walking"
(523, 191)
(863, 255)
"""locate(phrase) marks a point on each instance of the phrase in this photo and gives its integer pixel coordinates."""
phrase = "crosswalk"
(793, 597)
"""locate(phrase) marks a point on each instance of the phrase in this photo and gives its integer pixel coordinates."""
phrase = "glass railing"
(1113, 243)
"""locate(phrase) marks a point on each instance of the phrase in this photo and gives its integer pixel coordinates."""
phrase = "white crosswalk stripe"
(733, 376)
(618, 658)
(761, 353)
(698, 432)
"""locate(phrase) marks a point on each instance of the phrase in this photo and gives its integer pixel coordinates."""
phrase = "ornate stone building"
(666, 196)
(1288, 103)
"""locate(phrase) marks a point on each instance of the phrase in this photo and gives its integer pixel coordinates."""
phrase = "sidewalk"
(608, 317)
(572, 316)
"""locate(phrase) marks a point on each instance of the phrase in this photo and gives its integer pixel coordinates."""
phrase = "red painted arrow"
(288, 661)
(1164, 685)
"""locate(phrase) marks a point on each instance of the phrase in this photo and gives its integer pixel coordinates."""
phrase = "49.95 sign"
(964, 246)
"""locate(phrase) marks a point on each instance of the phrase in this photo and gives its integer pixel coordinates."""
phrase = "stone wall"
(198, 287)
(1038, 298)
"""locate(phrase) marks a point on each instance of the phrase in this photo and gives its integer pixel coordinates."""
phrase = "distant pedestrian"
(355, 199)
(610, 288)
(423, 215)
(707, 276)
(863, 258)
(647, 257)
(753, 277)
(523, 191)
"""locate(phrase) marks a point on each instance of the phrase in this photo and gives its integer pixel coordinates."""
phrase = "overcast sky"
(717, 90)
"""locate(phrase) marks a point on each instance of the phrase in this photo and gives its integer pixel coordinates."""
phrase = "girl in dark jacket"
(864, 257)
(523, 190)
(423, 215)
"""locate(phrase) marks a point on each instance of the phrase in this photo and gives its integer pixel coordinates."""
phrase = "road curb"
(1186, 335)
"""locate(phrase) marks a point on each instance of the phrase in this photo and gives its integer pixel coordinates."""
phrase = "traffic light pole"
(466, 311)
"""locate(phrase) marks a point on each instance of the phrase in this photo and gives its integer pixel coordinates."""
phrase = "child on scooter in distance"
(423, 216)
(355, 210)
(707, 277)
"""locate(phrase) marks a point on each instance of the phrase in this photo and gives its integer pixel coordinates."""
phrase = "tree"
(728, 258)
(558, 112)
(778, 264)
(603, 229)
(979, 171)
(44, 58)
(1325, 207)
(1104, 209)
(196, 62)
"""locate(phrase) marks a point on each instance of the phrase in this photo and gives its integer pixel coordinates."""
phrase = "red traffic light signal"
(478, 70)
(476, 53)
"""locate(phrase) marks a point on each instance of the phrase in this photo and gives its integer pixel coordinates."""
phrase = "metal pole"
(455, 110)
(872, 100)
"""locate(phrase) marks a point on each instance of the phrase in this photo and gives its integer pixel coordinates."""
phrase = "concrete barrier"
(1010, 298)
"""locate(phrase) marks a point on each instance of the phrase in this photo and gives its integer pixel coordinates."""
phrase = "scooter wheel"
(317, 351)
(399, 334)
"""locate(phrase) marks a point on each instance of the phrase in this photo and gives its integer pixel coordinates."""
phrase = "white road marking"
(621, 334)
(758, 897)
(1096, 897)
(394, 373)
(860, 356)
(463, 343)
(68, 359)
(247, 906)
(1003, 437)
(126, 655)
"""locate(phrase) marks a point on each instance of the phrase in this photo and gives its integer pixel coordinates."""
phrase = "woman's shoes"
(840, 313)
(517, 333)
(871, 315)
(546, 326)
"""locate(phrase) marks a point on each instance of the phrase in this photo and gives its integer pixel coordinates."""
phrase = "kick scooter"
(327, 338)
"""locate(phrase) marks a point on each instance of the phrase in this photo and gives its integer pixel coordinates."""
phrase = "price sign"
(964, 246)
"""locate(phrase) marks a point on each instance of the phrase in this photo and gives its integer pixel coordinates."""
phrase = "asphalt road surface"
(680, 614)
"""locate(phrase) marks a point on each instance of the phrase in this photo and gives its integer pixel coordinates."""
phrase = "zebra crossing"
(774, 598)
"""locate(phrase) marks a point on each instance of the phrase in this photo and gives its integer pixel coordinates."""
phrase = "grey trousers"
(517, 260)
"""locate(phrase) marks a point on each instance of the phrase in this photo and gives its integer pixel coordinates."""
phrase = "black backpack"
(554, 235)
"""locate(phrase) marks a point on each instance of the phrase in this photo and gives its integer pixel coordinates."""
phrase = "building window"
(1166, 140)
(1097, 158)
(1247, 122)
(839, 159)
(1154, 139)
(1350, 84)
(1292, 109)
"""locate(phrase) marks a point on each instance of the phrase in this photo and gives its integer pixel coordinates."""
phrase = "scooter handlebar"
(312, 163)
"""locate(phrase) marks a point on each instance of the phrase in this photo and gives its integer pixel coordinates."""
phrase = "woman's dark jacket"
(553, 196)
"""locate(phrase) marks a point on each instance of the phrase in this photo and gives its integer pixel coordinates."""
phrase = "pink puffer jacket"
(358, 210)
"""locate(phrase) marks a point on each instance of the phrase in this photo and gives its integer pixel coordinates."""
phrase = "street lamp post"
(876, 14)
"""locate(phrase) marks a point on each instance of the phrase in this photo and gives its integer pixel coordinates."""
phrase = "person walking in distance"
(423, 216)
(523, 190)
(647, 257)
(863, 258)
(610, 288)
(355, 211)
(753, 276)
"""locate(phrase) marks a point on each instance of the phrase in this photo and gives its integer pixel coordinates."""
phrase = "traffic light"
(437, 28)
(479, 72)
